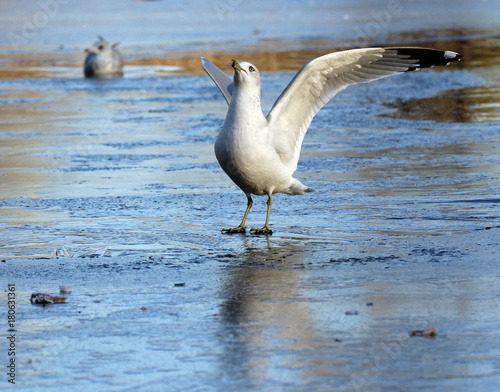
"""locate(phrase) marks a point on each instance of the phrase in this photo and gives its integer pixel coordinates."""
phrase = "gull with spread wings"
(260, 153)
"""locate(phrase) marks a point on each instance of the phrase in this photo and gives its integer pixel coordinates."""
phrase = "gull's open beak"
(236, 66)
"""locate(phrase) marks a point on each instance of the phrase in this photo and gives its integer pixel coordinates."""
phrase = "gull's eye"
(100, 47)
(251, 69)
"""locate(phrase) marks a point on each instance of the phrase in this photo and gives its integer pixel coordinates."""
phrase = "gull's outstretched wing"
(222, 81)
(319, 80)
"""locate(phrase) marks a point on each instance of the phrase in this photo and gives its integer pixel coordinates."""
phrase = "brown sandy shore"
(111, 187)
(477, 47)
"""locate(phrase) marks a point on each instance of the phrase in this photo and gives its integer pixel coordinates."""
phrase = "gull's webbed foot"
(239, 229)
(265, 230)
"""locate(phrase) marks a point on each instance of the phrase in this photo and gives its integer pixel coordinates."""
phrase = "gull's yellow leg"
(265, 229)
(241, 227)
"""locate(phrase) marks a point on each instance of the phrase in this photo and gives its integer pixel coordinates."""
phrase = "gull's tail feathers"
(297, 188)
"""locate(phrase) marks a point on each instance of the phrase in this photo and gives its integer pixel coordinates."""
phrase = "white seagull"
(260, 153)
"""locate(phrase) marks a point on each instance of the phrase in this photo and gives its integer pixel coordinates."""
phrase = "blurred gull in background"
(103, 60)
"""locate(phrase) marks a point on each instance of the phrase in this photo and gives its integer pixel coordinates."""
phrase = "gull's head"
(245, 74)
(102, 47)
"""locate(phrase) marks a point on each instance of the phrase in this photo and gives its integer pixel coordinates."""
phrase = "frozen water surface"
(111, 187)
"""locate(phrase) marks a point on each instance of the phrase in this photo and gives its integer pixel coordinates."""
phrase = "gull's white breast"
(244, 151)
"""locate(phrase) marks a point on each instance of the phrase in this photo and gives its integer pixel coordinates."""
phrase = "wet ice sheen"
(405, 217)
(404, 212)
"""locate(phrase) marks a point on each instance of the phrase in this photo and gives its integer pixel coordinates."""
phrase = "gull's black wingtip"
(427, 58)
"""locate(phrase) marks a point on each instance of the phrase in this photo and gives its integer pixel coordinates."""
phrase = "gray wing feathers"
(322, 78)
(223, 82)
